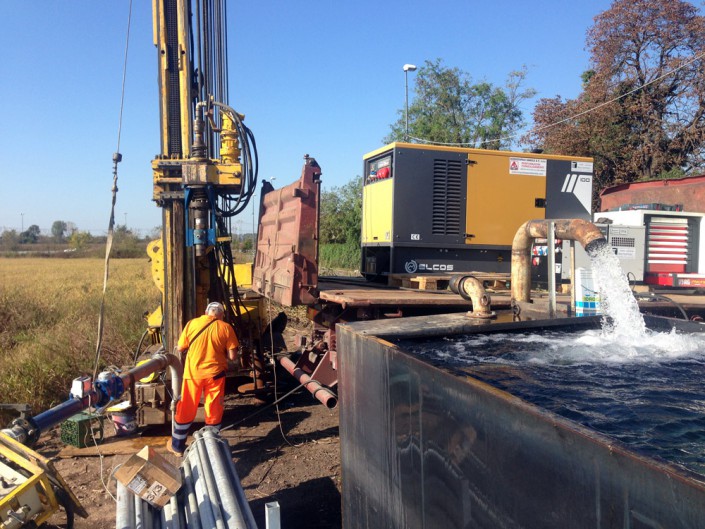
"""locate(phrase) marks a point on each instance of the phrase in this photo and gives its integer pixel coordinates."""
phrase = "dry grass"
(49, 312)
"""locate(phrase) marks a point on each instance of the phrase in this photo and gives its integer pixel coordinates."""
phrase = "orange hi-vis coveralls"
(205, 367)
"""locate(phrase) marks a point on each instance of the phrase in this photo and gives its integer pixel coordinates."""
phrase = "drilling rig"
(206, 172)
(204, 175)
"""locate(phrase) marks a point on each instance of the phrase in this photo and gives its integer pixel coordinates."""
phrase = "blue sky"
(319, 77)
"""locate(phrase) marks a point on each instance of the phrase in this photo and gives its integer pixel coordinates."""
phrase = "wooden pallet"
(441, 282)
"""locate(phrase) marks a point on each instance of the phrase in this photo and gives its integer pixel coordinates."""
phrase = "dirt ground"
(291, 456)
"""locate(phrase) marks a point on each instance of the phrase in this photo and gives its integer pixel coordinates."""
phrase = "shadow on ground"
(313, 504)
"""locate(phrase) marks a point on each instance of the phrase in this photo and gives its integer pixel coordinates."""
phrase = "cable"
(260, 410)
(274, 370)
(139, 345)
(117, 158)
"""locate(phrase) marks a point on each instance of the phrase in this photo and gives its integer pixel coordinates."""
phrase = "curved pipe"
(472, 289)
(583, 231)
(158, 362)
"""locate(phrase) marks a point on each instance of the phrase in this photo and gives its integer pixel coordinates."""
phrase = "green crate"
(80, 430)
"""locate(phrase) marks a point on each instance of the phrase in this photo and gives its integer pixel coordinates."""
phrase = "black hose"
(657, 297)
(139, 345)
(63, 498)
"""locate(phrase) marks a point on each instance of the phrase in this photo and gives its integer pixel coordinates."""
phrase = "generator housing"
(429, 209)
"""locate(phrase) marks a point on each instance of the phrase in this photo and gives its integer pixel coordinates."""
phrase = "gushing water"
(621, 316)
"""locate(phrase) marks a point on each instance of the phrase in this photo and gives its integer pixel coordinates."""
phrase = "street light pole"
(407, 68)
(22, 215)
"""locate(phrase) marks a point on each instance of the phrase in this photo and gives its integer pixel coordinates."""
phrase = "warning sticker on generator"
(527, 166)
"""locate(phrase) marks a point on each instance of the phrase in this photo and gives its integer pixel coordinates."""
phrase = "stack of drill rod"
(211, 496)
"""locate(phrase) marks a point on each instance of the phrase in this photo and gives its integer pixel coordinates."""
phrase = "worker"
(208, 344)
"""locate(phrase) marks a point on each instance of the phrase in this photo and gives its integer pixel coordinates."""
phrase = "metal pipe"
(148, 515)
(109, 386)
(125, 516)
(176, 512)
(139, 514)
(209, 480)
(193, 520)
(272, 516)
(583, 231)
(163, 515)
(231, 510)
(167, 516)
(59, 414)
(158, 362)
(205, 509)
(472, 289)
(323, 394)
(237, 486)
(551, 252)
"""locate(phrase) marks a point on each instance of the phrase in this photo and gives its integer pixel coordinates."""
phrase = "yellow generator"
(429, 209)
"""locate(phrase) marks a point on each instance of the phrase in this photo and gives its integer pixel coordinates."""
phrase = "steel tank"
(422, 446)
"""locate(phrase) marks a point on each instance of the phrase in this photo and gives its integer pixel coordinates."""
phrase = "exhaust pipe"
(583, 231)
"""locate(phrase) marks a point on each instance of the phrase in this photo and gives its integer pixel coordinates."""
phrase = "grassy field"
(49, 311)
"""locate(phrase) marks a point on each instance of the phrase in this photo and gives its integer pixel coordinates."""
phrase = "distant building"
(689, 193)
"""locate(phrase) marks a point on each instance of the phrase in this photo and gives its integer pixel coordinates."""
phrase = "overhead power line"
(575, 116)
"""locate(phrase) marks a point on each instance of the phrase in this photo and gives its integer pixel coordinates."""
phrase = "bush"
(337, 256)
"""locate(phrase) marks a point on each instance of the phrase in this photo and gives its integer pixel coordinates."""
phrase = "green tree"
(340, 226)
(642, 110)
(450, 108)
(58, 230)
(31, 235)
(80, 239)
(341, 213)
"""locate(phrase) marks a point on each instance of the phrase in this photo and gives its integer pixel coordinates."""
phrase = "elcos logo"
(413, 267)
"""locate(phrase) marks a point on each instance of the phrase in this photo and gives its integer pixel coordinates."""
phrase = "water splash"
(590, 347)
(621, 316)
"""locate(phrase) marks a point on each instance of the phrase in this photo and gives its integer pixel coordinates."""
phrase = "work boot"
(173, 450)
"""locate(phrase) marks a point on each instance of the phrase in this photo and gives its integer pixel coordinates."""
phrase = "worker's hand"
(233, 365)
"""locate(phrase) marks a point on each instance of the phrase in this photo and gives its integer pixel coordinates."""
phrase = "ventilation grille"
(447, 199)
(624, 242)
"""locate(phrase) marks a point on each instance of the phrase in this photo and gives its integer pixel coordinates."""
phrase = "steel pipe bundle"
(211, 496)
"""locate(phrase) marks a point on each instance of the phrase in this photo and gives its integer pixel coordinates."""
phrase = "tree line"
(66, 237)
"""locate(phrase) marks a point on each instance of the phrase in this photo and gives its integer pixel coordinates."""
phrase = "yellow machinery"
(436, 209)
(206, 172)
(204, 176)
(30, 488)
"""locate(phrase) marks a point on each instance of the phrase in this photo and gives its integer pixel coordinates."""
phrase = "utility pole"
(407, 68)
